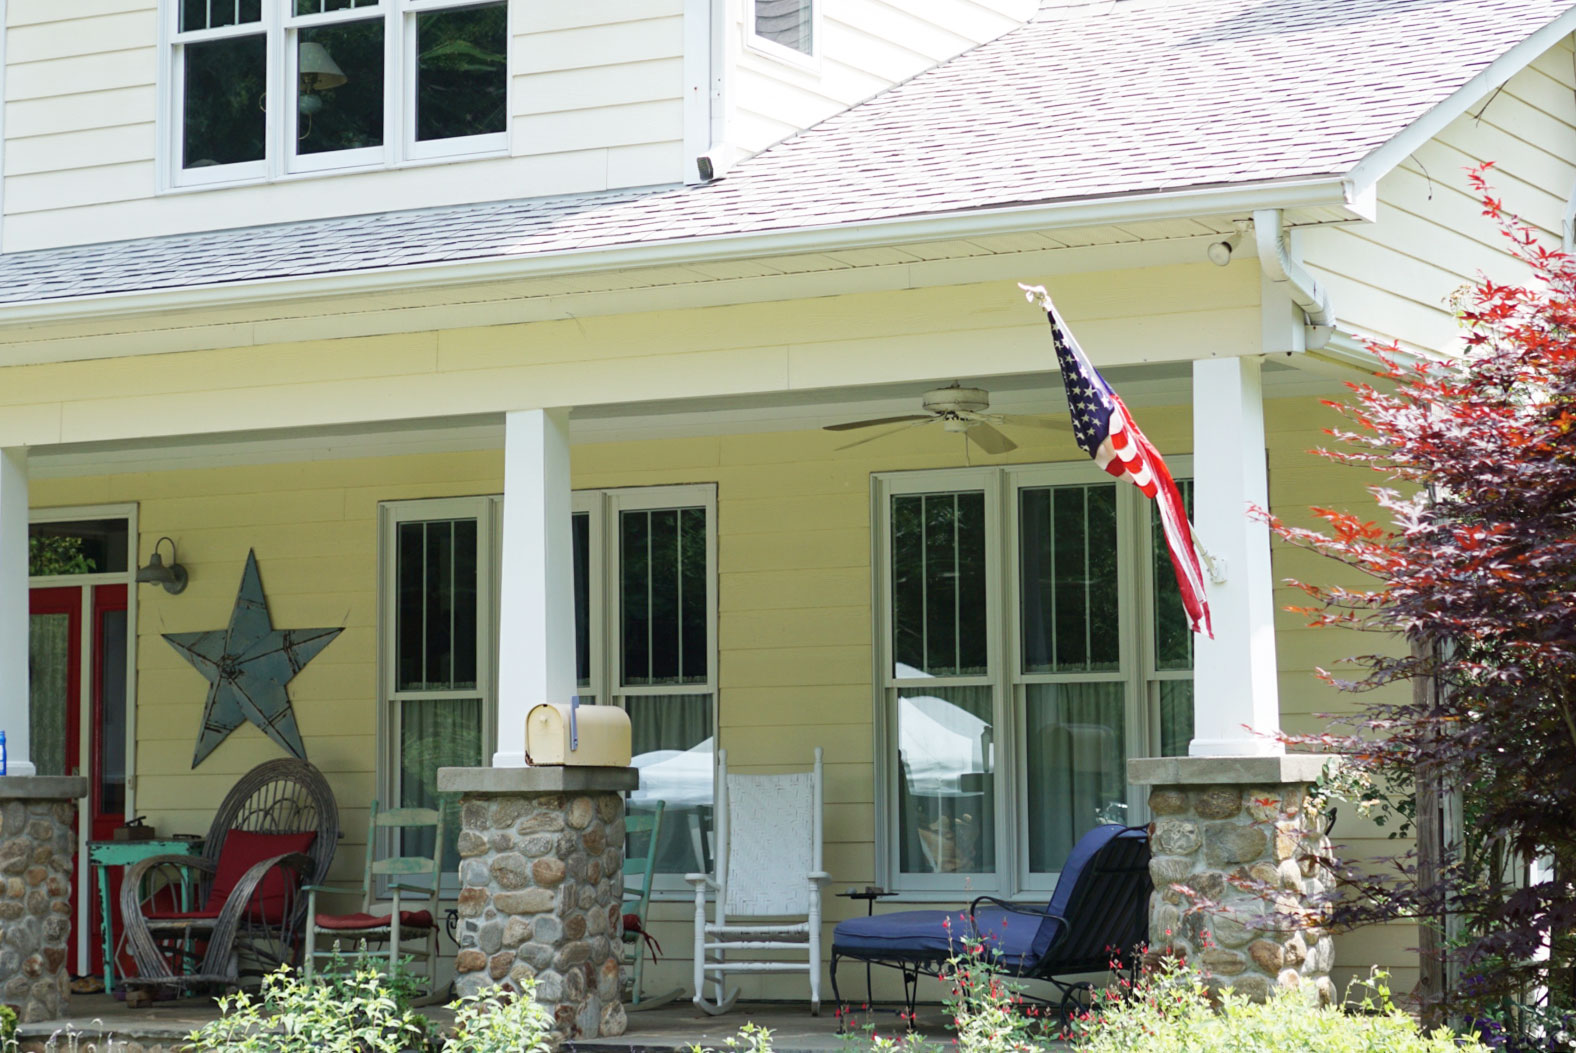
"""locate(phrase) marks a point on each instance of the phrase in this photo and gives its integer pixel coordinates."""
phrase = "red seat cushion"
(244, 849)
(409, 919)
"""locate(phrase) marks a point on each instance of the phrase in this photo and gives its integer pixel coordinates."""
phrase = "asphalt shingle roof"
(1091, 99)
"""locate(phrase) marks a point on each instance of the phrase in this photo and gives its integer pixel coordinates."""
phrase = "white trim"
(809, 61)
(698, 70)
(1326, 193)
(1398, 147)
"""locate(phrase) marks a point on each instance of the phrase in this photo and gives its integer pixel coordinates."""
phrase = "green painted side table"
(105, 854)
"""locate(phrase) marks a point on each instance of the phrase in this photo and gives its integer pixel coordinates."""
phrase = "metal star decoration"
(248, 665)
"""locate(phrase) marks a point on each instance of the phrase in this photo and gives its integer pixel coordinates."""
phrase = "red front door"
(71, 691)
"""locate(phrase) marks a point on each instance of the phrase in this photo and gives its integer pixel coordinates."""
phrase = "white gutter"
(1134, 208)
(1279, 267)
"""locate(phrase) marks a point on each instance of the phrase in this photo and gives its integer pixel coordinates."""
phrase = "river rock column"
(541, 887)
(1236, 832)
(37, 842)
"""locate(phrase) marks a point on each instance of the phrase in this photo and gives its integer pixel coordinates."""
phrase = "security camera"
(1220, 251)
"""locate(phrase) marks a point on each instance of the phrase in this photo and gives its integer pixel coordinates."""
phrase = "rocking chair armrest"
(701, 881)
(818, 877)
(345, 890)
(1012, 908)
(417, 889)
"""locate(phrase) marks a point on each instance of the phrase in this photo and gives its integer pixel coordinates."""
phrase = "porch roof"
(1092, 101)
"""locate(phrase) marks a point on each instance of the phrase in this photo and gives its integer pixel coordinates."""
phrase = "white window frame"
(604, 507)
(487, 511)
(280, 27)
(810, 61)
(1136, 672)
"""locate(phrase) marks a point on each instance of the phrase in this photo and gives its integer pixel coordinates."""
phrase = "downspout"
(1279, 267)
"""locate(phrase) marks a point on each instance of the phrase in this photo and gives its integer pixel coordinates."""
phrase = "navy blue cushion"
(1086, 848)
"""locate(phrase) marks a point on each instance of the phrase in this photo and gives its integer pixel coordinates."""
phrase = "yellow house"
(529, 393)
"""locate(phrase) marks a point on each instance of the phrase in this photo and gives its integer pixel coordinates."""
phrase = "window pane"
(435, 606)
(340, 94)
(211, 14)
(436, 734)
(313, 7)
(1068, 579)
(1176, 716)
(49, 679)
(1076, 777)
(1173, 639)
(786, 22)
(662, 596)
(88, 546)
(938, 584)
(461, 72)
(580, 538)
(112, 713)
(672, 740)
(946, 782)
(222, 102)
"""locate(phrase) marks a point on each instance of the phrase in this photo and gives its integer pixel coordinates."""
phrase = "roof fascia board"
(1367, 173)
(1184, 204)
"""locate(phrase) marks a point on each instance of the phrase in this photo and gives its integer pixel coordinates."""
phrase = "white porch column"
(14, 706)
(1234, 676)
(536, 610)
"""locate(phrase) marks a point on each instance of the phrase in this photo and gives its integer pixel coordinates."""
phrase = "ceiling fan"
(959, 409)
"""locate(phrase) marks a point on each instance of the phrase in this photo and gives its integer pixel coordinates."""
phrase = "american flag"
(1104, 429)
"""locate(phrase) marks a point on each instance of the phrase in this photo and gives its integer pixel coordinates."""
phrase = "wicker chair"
(193, 922)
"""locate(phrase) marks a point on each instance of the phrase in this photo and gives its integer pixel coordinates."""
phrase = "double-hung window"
(646, 640)
(1015, 679)
(266, 88)
(437, 650)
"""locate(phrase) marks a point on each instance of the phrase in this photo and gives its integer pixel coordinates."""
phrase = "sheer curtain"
(1076, 777)
(49, 667)
(437, 733)
(673, 746)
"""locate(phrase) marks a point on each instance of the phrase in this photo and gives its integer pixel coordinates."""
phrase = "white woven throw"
(769, 850)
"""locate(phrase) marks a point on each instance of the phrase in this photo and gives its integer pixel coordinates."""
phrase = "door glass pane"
(938, 585)
(1068, 583)
(436, 733)
(672, 740)
(435, 605)
(49, 691)
(1173, 638)
(111, 732)
(222, 101)
(786, 22)
(946, 786)
(339, 94)
(1076, 778)
(662, 596)
(461, 79)
(86, 546)
(1176, 716)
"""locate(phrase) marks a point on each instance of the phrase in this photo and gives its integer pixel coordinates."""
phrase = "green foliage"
(349, 1013)
(57, 555)
(1171, 1011)
(504, 1023)
(7, 1026)
(752, 1038)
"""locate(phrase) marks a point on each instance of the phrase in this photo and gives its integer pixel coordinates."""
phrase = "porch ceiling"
(1164, 384)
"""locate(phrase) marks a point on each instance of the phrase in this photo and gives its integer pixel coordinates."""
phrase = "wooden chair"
(416, 935)
(643, 829)
(196, 922)
(768, 867)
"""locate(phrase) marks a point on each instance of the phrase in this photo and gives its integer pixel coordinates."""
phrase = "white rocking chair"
(768, 866)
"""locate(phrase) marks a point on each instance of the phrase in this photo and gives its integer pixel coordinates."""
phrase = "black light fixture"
(172, 577)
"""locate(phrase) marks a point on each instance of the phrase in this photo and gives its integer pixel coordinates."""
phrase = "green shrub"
(1170, 1011)
(353, 1012)
(497, 1022)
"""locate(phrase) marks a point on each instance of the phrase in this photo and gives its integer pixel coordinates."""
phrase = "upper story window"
(265, 88)
(786, 23)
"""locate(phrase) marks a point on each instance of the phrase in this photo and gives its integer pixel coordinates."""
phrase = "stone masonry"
(541, 885)
(1230, 844)
(37, 842)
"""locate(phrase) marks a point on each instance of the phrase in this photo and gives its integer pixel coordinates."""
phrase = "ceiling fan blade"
(1049, 422)
(989, 439)
(879, 420)
(914, 422)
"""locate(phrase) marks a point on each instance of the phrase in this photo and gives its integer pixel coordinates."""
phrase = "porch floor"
(107, 1024)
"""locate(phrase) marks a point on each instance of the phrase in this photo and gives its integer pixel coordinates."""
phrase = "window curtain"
(1076, 776)
(946, 789)
(49, 669)
(436, 733)
(673, 745)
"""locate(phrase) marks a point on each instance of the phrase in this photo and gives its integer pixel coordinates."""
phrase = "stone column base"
(541, 887)
(37, 842)
(1231, 842)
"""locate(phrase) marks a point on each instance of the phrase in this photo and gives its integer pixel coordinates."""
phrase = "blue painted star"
(248, 666)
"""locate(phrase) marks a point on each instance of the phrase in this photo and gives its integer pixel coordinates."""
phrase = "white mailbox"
(595, 736)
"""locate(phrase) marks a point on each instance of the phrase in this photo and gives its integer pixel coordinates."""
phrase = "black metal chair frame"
(276, 797)
(1077, 948)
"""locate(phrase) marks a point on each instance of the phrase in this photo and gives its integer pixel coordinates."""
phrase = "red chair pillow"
(244, 849)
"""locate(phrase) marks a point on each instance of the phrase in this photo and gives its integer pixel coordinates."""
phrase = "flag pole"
(1216, 568)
